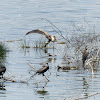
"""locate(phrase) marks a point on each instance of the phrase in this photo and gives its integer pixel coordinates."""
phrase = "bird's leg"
(47, 43)
(45, 78)
(53, 46)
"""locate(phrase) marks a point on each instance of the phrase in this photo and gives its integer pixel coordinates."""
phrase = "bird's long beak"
(55, 40)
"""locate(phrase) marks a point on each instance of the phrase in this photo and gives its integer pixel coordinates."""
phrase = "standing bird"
(2, 70)
(42, 70)
(85, 55)
(50, 38)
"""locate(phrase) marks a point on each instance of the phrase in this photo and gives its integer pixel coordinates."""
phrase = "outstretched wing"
(40, 31)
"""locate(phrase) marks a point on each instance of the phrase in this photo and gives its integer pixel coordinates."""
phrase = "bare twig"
(59, 31)
(32, 66)
(12, 80)
(8, 79)
(87, 96)
(62, 55)
(10, 74)
(91, 69)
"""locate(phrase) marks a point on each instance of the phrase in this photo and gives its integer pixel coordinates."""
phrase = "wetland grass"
(78, 43)
(82, 35)
(37, 44)
(25, 44)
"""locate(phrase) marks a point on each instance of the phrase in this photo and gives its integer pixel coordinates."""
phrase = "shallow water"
(18, 17)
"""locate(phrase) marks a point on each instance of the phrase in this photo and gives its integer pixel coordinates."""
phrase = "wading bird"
(41, 71)
(2, 71)
(50, 38)
(85, 55)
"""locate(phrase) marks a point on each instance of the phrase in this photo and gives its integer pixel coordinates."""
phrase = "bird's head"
(54, 39)
(86, 48)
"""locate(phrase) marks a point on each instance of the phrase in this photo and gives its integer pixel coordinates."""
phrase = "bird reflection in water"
(2, 86)
(42, 92)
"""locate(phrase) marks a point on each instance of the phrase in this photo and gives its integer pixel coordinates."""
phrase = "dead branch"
(12, 80)
(59, 31)
(32, 66)
(13, 40)
(87, 96)
(10, 74)
(8, 79)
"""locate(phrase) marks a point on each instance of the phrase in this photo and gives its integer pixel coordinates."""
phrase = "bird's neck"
(52, 38)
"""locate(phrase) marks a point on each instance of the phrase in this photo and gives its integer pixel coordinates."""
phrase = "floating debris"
(67, 67)
(14, 40)
(61, 42)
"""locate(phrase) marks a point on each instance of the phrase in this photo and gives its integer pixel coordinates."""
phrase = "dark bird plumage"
(42, 70)
(85, 55)
(2, 70)
(50, 38)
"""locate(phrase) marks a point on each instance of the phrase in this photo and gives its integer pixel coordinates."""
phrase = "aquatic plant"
(25, 44)
(81, 35)
(37, 44)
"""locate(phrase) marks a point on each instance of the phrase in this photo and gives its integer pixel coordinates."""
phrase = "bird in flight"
(50, 38)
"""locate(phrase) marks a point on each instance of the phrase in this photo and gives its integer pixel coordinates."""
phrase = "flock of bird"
(50, 38)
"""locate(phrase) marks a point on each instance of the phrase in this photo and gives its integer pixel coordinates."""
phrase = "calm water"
(18, 17)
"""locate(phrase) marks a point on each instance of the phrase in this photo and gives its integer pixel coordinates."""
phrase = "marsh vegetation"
(69, 48)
